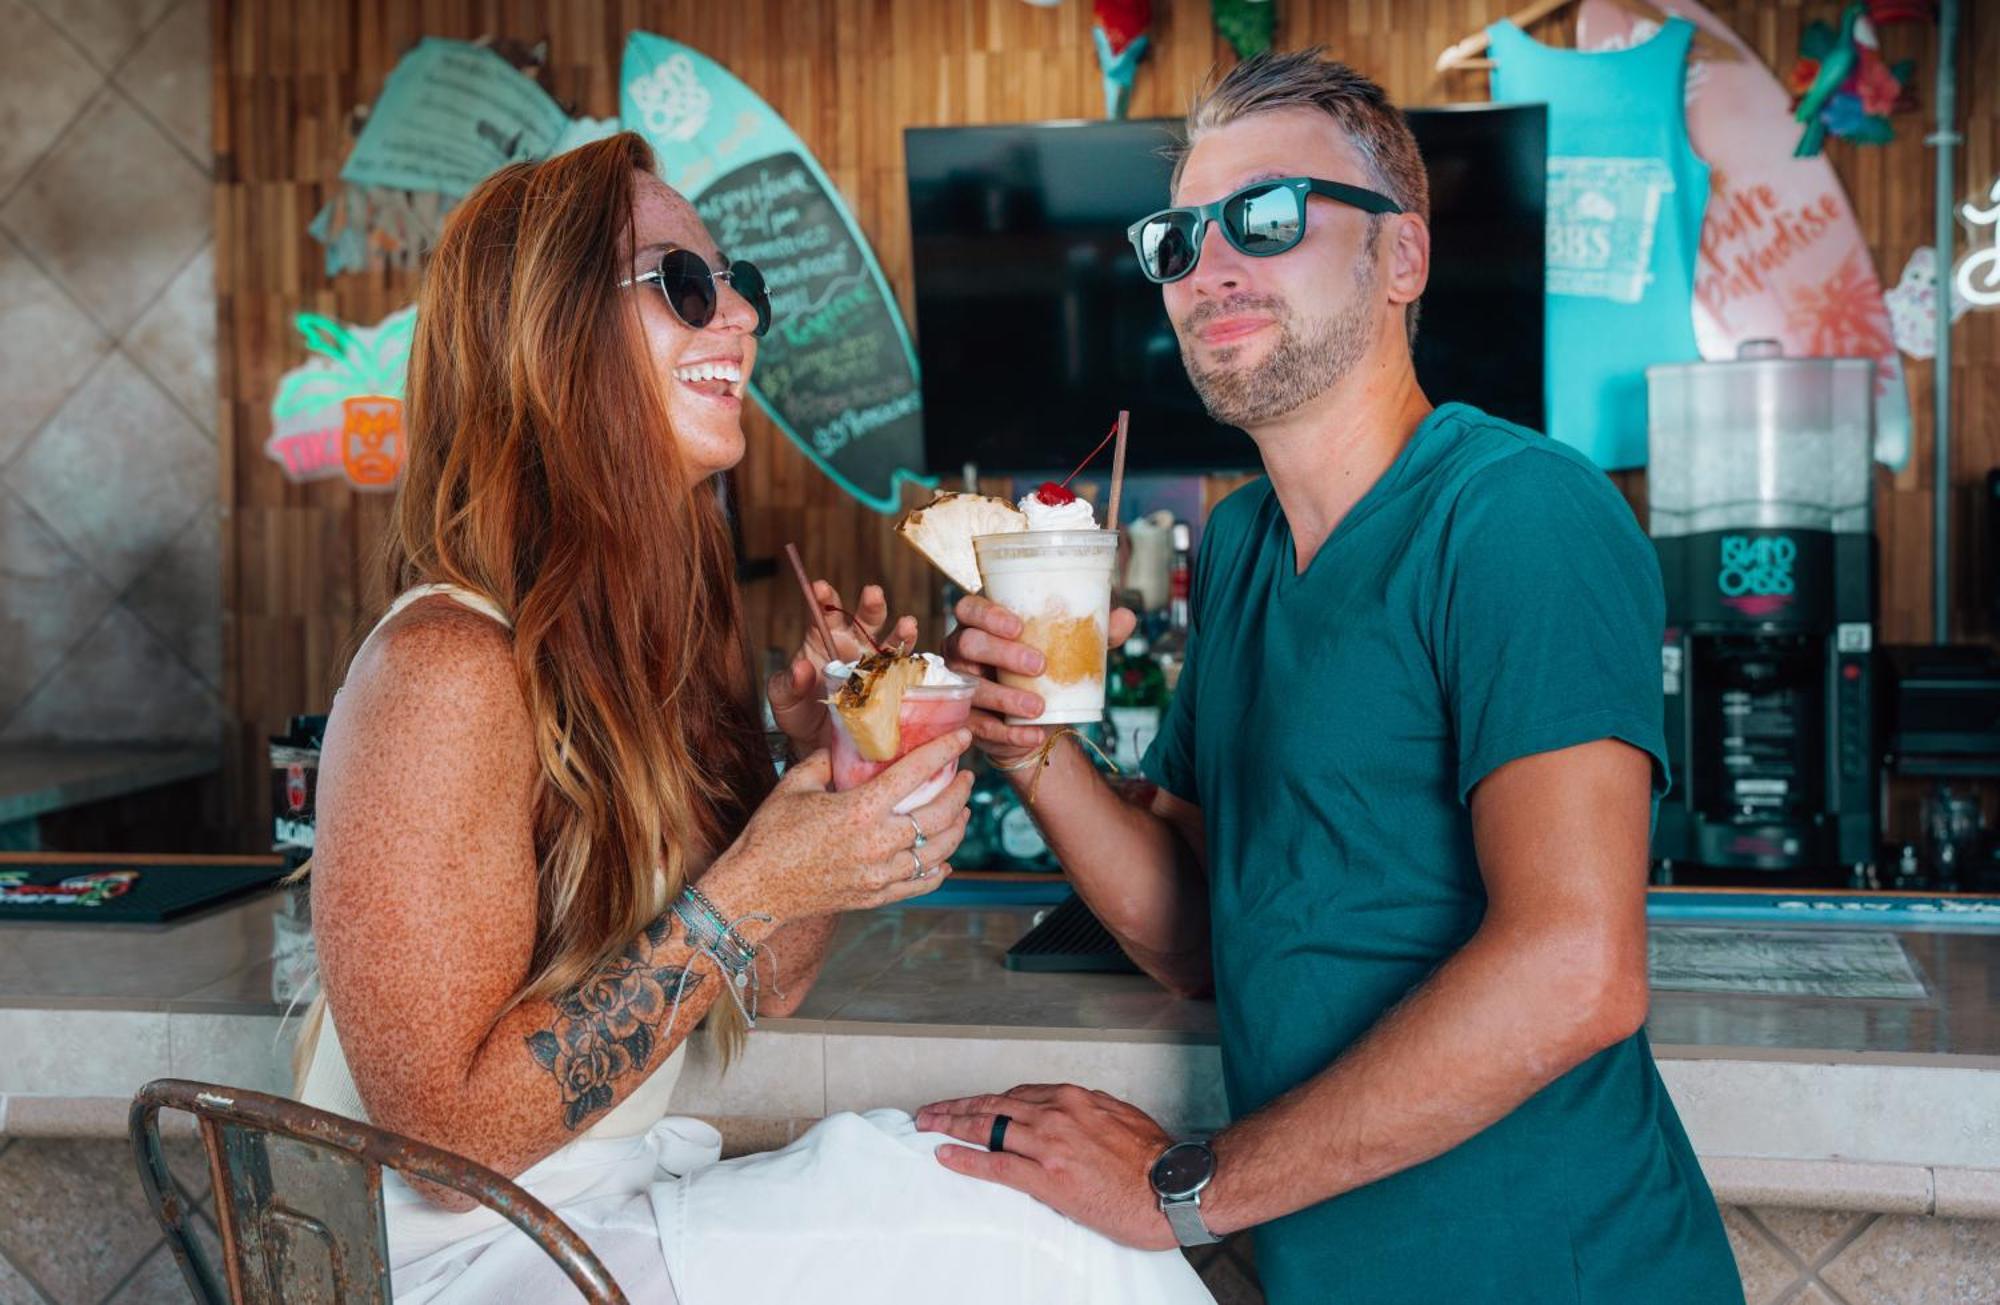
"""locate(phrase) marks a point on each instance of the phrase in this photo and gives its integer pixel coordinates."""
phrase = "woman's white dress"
(855, 1210)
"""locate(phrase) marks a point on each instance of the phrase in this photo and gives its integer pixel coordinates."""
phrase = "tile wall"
(110, 572)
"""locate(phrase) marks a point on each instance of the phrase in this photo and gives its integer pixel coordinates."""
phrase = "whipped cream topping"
(936, 676)
(1073, 515)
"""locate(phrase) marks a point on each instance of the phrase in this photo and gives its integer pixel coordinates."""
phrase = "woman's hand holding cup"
(809, 851)
(795, 692)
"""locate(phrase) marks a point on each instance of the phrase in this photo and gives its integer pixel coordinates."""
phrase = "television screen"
(1035, 325)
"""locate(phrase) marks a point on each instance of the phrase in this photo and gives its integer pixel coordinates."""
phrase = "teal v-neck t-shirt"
(1491, 597)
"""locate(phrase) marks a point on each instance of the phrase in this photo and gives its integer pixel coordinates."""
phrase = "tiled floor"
(75, 1228)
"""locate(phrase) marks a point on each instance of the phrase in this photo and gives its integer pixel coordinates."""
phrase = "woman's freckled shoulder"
(431, 732)
(442, 655)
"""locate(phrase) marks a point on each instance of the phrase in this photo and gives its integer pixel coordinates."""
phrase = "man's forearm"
(1495, 1024)
(1131, 868)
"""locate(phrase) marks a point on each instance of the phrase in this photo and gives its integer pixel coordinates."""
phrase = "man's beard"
(1311, 356)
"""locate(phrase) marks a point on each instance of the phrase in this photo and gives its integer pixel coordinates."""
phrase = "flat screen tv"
(1035, 325)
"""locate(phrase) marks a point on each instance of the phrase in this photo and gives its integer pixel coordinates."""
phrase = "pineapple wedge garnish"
(870, 703)
(944, 528)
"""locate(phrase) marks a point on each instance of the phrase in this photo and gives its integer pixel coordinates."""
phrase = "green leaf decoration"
(1247, 25)
(326, 336)
(1818, 40)
(309, 391)
(391, 354)
(544, 1047)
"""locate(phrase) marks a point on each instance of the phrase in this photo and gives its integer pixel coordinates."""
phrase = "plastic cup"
(927, 712)
(1059, 583)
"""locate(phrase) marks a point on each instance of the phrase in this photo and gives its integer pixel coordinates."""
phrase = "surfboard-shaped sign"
(1782, 256)
(836, 372)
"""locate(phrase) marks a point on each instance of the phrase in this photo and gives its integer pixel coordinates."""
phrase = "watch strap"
(1184, 1217)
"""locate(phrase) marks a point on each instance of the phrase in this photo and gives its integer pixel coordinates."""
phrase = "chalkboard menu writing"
(836, 372)
(834, 363)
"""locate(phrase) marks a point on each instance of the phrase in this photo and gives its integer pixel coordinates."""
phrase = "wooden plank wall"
(850, 75)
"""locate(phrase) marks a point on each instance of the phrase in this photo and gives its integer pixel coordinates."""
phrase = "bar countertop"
(35, 780)
(1877, 1102)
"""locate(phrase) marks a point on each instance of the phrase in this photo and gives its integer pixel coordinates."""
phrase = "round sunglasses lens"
(749, 283)
(1265, 221)
(1166, 246)
(689, 287)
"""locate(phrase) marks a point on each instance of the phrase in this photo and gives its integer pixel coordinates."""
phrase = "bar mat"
(76, 892)
(1784, 962)
(1069, 940)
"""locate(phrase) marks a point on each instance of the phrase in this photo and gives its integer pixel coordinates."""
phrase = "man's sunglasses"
(688, 283)
(1262, 219)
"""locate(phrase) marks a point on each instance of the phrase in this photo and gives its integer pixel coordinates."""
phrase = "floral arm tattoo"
(609, 1026)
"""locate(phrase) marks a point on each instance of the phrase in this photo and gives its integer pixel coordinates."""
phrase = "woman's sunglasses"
(688, 283)
(1262, 219)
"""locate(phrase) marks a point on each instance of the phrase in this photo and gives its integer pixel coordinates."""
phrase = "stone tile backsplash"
(110, 548)
(45, 80)
(114, 209)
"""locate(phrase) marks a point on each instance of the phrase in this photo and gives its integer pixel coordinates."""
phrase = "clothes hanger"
(1462, 55)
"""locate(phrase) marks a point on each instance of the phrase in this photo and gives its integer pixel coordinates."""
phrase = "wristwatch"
(1178, 1177)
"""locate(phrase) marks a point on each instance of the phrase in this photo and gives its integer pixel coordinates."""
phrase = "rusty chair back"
(298, 1200)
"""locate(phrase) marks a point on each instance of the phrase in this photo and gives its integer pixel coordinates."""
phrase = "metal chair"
(298, 1199)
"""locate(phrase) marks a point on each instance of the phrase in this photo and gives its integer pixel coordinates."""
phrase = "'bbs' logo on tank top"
(1756, 573)
(1603, 213)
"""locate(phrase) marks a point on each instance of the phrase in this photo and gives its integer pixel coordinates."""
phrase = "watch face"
(1184, 1170)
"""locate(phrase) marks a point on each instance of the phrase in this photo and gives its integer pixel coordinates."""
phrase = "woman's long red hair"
(542, 472)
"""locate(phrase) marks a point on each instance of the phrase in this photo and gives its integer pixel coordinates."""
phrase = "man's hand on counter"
(1085, 1154)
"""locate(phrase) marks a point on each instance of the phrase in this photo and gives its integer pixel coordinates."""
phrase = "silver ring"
(921, 871)
(921, 840)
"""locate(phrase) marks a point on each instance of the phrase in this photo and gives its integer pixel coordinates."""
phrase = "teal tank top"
(1626, 197)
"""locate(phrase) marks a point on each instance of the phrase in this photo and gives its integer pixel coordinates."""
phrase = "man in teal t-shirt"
(1405, 788)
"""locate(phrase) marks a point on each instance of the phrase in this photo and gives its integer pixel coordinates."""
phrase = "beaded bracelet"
(718, 939)
(728, 929)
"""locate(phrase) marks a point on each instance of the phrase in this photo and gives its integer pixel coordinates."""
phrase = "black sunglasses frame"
(1368, 201)
(743, 277)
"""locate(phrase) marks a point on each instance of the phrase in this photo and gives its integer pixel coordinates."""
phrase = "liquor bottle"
(1017, 844)
(1000, 835)
(1170, 650)
(1135, 698)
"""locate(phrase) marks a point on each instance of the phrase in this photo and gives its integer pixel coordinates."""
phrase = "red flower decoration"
(1802, 76)
(1123, 21)
(1901, 11)
(1874, 84)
